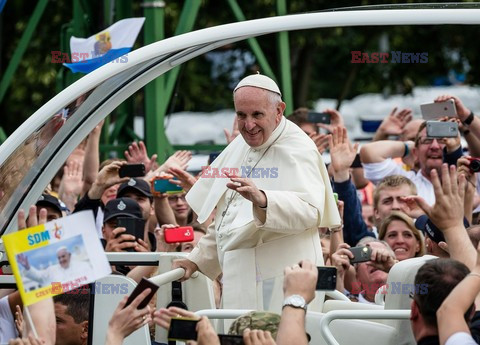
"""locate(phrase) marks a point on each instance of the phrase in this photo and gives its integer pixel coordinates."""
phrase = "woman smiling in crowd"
(400, 233)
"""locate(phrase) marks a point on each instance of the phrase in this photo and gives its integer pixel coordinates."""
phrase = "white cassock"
(56, 273)
(247, 251)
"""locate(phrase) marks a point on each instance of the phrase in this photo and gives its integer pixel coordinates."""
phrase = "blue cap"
(424, 224)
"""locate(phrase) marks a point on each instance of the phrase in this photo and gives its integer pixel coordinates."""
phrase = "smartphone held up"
(143, 285)
(434, 111)
(327, 278)
(161, 185)
(182, 329)
(179, 234)
(439, 129)
(132, 170)
(315, 117)
(133, 226)
(360, 254)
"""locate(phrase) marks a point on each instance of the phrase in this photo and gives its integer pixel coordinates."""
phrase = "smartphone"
(133, 226)
(182, 329)
(212, 156)
(437, 129)
(335, 196)
(327, 278)
(132, 170)
(143, 285)
(227, 339)
(180, 234)
(433, 111)
(360, 254)
(314, 117)
(357, 163)
(161, 185)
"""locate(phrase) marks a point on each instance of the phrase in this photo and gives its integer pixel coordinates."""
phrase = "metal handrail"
(380, 295)
(222, 313)
(357, 314)
(337, 295)
(168, 277)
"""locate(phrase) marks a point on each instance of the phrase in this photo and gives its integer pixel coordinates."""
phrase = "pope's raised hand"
(247, 188)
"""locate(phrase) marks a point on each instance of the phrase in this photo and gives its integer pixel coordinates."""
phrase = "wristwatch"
(295, 301)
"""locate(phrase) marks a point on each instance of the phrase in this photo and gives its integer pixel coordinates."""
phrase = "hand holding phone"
(438, 129)
(360, 254)
(161, 185)
(433, 111)
(133, 226)
(132, 170)
(327, 278)
(143, 285)
(315, 117)
(182, 329)
(179, 234)
(228, 339)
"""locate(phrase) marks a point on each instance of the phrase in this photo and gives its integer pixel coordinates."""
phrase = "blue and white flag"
(112, 43)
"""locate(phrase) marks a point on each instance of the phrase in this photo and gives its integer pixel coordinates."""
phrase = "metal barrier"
(337, 295)
(356, 314)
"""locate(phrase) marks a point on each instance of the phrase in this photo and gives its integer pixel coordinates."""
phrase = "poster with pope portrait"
(56, 257)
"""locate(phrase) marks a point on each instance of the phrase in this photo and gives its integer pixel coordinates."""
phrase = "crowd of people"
(402, 195)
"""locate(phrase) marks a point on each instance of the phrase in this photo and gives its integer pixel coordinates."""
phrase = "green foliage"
(320, 59)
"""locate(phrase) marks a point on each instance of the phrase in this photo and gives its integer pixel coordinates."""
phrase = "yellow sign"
(53, 258)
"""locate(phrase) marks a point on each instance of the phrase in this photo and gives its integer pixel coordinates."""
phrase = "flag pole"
(28, 317)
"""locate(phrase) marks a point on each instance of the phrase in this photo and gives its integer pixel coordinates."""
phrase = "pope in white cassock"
(267, 218)
(66, 270)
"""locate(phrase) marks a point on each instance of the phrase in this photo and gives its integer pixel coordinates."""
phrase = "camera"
(474, 165)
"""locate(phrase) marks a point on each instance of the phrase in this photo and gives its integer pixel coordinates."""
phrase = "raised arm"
(464, 114)
(163, 211)
(137, 153)
(342, 154)
(393, 124)
(106, 178)
(471, 189)
(299, 280)
(71, 185)
(92, 158)
(450, 315)
(378, 151)
(447, 213)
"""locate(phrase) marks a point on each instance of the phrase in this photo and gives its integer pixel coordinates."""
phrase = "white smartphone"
(433, 111)
(437, 129)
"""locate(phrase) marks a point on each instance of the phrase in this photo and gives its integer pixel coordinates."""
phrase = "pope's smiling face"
(64, 258)
(258, 114)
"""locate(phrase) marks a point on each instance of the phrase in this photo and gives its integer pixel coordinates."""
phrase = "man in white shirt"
(377, 158)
